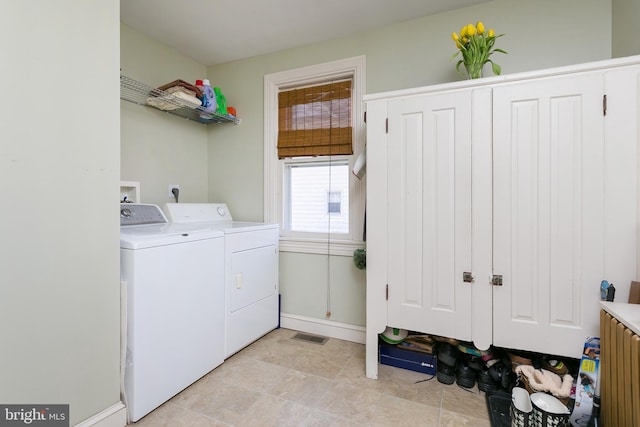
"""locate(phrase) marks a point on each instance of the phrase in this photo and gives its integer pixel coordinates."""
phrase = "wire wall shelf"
(140, 93)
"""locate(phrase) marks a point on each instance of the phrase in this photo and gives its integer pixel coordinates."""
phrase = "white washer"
(174, 275)
(251, 270)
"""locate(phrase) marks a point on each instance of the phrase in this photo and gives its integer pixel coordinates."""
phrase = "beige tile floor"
(279, 381)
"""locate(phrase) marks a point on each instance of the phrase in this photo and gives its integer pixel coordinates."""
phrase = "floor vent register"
(315, 339)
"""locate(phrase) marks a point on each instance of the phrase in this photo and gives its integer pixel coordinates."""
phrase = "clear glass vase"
(474, 69)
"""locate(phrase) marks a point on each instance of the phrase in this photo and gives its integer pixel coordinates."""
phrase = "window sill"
(319, 246)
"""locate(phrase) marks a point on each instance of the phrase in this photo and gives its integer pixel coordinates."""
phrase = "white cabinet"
(564, 205)
(525, 178)
(548, 215)
(428, 153)
(422, 234)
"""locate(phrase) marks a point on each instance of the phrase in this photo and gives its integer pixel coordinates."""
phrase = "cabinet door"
(548, 216)
(429, 213)
(622, 137)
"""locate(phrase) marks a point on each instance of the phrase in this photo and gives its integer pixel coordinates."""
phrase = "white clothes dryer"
(174, 278)
(251, 270)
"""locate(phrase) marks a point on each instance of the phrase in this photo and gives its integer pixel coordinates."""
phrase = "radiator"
(620, 373)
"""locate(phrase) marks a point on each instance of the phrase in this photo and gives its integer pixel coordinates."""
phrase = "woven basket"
(525, 383)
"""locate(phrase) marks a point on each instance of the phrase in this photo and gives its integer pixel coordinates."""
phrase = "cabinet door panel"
(548, 212)
(622, 132)
(429, 213)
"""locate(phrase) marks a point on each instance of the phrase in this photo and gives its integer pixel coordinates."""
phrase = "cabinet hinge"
(386, 126)
(386, 297)
(604, 105)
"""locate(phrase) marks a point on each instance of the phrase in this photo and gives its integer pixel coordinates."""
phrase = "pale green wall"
(60, 166)
(226, 163)
(625, 16)
(304, 294)
(159, 149)
(540, 34)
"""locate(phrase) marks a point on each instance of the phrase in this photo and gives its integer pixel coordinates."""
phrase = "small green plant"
(360, 259)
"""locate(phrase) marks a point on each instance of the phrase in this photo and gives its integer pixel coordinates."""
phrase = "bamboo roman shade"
(315, 121)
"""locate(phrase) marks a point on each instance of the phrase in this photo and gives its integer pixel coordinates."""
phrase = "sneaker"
(502, 375)
(447, 354)
(475, 362)
(465, 375)
(485, 382)
(445, 374)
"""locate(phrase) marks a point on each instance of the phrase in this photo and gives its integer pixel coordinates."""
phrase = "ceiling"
(217, 31)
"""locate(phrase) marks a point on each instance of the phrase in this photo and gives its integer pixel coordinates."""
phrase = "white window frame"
(274, 167)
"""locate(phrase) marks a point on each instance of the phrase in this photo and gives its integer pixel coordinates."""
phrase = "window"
(309, 188)
(313, 197)
(334, 200)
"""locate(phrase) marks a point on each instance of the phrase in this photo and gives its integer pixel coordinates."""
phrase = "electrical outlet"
(171, 187)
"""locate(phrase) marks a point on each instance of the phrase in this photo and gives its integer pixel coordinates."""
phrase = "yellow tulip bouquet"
(476, 46)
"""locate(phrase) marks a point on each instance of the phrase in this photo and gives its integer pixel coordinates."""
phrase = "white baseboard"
(327, 328)
(113, 416)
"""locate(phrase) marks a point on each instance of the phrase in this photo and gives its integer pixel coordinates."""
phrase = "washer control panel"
(140, 214)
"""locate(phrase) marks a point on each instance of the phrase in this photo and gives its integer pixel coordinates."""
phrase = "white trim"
(482, 216)
(638, 185)
(273, 182)
(508, 78)
(326, 328)
(377, 266)
(319, 246)
(113, 416)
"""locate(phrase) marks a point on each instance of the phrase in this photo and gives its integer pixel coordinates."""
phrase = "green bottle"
(221, 100)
